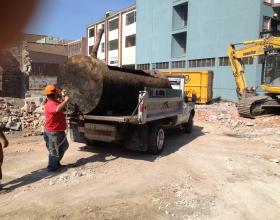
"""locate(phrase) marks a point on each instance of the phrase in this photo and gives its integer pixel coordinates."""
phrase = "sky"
(68, 19)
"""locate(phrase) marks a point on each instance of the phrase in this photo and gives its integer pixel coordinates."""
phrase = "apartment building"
(191, 34)
(118, 44)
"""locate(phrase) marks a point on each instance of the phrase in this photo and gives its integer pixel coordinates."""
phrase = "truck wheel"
(187, 127)
(156, 139)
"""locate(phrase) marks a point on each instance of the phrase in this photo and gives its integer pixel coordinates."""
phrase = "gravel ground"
(217, 172)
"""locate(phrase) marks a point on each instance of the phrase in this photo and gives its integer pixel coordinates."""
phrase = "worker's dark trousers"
(57, 144)
(1, 160)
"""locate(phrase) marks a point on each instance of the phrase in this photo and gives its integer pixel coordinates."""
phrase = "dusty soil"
(214, 173)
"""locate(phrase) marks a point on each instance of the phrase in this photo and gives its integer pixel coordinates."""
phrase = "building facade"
(118, 44)
(191, 34)
(45, 61)
(78, 47)
(30, 64)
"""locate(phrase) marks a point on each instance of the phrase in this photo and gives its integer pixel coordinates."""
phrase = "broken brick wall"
(11, 77)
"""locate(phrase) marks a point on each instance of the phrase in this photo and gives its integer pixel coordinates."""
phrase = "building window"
(266, 23)
(43, 69)
(248, 60)
(113, 62)
(130, 41)
(90, 49)
(114, 44)
(143, 66)
(131, 18)
(163, 65)
(261, 59)
(102, 47)
(268, 1)
(224, 61)
(91, 32)
(74, 48)
(180, 16)
(179, 44)
(103, 26)
(114, 24)
(208, 62)
(179, 64)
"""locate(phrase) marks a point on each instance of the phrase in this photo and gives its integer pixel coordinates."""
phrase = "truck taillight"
(141, 107)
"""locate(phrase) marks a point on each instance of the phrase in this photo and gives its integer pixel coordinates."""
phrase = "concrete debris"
(13, 123)
(275, 160)
(235, 124)
(77, 174)
(226, 114)
(22, 115)
(51, 183)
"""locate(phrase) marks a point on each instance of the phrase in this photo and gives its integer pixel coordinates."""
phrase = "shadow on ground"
(104, 152)
(30, 178)
(175, 140)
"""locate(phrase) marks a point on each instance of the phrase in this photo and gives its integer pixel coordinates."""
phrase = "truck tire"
(156, 139)
(187, 127)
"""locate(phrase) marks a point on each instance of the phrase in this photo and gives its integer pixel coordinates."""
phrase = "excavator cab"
(271, 70)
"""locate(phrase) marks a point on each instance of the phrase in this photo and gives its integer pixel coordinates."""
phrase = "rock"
(220, 117)
(235, 124)
(166, 212)
(228, 159)
(13, 124)
(213, 117)
(249, 124)
(77, 174)
(5, 119)
(51, 183)
(275, 160)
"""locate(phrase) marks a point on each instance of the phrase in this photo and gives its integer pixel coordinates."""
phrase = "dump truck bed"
(153, 104)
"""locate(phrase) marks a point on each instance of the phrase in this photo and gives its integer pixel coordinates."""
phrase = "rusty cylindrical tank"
(96, 88)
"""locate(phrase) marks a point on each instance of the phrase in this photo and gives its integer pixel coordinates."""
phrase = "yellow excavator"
(250, 103)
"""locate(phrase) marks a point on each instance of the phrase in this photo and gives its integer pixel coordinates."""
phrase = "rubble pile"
(29, 119)
(226, 114)
(33, 124)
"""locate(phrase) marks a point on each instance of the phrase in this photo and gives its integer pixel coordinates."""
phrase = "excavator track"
(251, 106)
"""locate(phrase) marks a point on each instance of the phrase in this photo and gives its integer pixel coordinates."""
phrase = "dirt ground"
(214, 173)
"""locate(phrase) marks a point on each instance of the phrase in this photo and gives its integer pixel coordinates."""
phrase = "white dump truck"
(157, 110)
